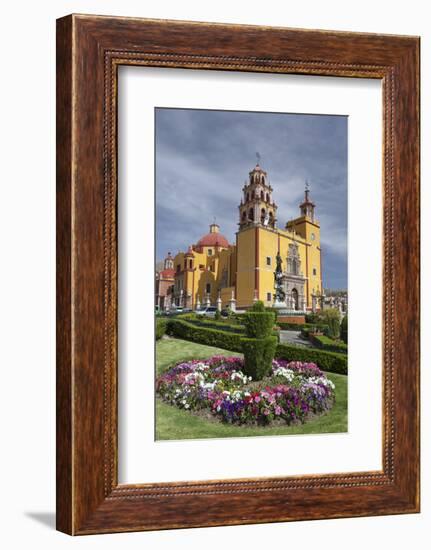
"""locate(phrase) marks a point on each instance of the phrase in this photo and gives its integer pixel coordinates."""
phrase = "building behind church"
(214, 271)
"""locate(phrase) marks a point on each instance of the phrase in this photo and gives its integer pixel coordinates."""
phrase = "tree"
(344, 330)
(331, 317)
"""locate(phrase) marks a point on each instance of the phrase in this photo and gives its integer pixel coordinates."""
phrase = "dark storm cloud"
(203, 158)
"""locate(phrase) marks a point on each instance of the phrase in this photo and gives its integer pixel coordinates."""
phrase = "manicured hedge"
(238, 317)
(206, 336)
(305, 332)
(325, 360)
(217, 325)
(328, 344)
(161, 325)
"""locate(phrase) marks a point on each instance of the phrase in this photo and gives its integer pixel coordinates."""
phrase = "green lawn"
(174, 423)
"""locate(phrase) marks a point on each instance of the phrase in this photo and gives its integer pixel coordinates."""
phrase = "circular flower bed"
(293, 392)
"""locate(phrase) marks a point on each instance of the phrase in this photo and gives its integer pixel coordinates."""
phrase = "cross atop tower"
(307, 190)
(258, 157)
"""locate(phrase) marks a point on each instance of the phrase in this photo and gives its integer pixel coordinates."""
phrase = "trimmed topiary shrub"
(344, 330)
(258, 324)
(258, 307)
(258, 356)
(259, 346)
(161, 325)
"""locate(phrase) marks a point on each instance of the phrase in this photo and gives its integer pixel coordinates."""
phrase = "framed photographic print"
(237, 274)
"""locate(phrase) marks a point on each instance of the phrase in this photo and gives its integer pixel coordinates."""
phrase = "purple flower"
(209, 385)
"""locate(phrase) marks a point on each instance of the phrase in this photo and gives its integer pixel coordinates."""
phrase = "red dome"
(167, 273)
(213, 239)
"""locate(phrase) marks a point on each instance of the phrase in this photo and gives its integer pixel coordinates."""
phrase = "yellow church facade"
(235, 275)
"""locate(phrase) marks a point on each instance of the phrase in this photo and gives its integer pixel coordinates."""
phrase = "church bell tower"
(307, 206)
(257, 206)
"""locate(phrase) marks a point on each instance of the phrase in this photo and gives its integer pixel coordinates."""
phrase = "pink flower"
(257, 399)
(266, 412)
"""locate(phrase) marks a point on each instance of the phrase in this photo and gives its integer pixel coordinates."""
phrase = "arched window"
(267, 197)
(262, 195)
(244, 215)
(251, 214)
(262, 179)
(262, 215)
(248, 197)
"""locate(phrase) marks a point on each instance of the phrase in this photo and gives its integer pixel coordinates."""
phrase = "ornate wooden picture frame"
(89, 51)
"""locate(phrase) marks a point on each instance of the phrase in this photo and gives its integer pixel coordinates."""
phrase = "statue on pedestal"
(279, 295)
(232, 302)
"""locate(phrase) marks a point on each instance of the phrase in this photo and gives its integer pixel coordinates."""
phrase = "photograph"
(215, 234)
(251, 274)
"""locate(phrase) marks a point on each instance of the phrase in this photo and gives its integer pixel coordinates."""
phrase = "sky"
(203, 159)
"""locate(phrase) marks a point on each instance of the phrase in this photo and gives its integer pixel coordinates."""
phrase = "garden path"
(294, 337)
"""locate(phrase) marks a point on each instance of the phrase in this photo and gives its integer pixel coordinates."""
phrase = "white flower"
(201, 366)
(187, 406)
(321, 381)
(288, 374)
